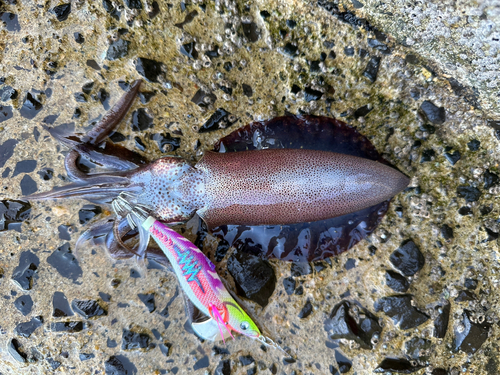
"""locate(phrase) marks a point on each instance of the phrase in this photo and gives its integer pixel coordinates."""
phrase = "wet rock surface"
(255, 60)
(402, 311)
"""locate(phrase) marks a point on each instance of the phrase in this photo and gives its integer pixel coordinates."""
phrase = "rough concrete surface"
(460, 39)
(449, 214)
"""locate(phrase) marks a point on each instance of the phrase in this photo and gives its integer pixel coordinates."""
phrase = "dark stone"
(133, 4)
(470, 284)
(53, 363)
(490, 179)
(407, 258)
(7, 93)
(165, 348)
(246, 360)
(14, 349)
(447, 232)
(311, 94)
(6, 150)
(439, 371)
(371, 69)
(31, 107)
(117, 137)
(265, 14)
(295, 89)
(117, 49)
(418, 348)
(65, 232)
(314, 66)
(79, 38)
(146, 96)
(5, 114)
(299, 291)
(332, 55)
(254, 277)
(60, 305)
(62, 11)
(485, 210)
(86, 356)
(251, 31)
(148, 300)
(362, 111)
(27, 328)
(93, 64)
(289, 284)
(223, 368)
(473, 335)
(80, 97)
(401, 310)
(290, 50)
(474, 145)
(465, 211)
(203, 99)
(25, 272)
(50, 119)
(352, 322)
(306, 310)
(465, 296)
(221, 251)
(119, 365)
(427, 155)
(149, 69)
(10, 20)
(111, 343)
(87, 213)
(291, 24)
(350, 264)
(300, 269)
(135, 340)
(218, 120)
(396, 282)
(189, 50)
(24, 304)
(13, 213)
(155, 10)
(63, 260)
(398, 365)
(343, 362)
(452, 157)
(470, 193)
(349, 51)
(165, 142)
(436, 115)
(28, 185)
(88, 308)
(68, 327)
(139, 144)
(378, 45)
(201, 363)
(188, 19)
(141, 120)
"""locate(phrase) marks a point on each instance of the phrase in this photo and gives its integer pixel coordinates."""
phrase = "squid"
(257, 187)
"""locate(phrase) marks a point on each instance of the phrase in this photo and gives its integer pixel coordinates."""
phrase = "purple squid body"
(265, 187)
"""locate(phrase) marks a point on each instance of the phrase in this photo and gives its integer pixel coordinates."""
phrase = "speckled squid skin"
(286, 186)
(265, 187)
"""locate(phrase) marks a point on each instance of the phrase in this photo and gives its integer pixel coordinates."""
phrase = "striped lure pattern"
(199, 280)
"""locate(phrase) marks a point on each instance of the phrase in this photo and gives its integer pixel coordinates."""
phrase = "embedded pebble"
(407, 258)
(135, 340)
(396, 282)
(397, 365)
(402, 311)
(352, 322)
(432, 113)
(24, 304)
(88, 308)
(25, 273)
(254, 277)
(441, 321)
(60, 305)
(470, 336)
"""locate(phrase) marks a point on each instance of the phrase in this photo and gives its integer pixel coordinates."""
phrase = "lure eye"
(244, 326)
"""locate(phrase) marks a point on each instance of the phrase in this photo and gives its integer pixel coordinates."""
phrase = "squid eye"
(244, 326)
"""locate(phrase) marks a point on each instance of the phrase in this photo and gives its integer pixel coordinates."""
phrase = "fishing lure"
(196, 274)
